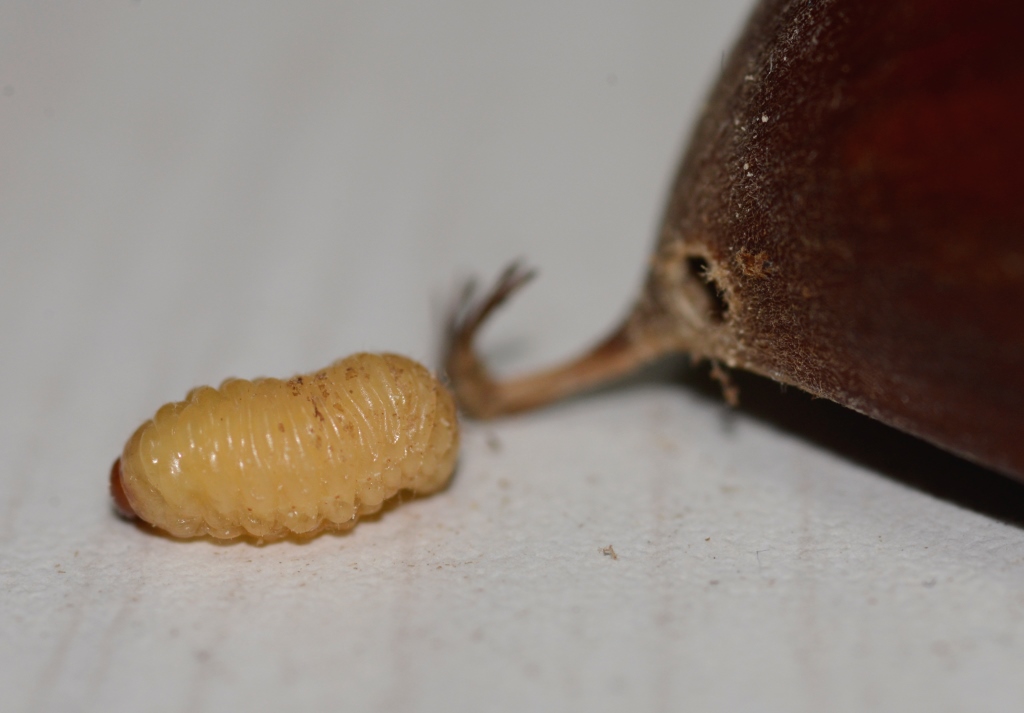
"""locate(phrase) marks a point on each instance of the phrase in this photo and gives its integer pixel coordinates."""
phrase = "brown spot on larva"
(316, 412)
(280, 427)
(121, 504)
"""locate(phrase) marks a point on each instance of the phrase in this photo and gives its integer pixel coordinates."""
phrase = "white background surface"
(194, 190)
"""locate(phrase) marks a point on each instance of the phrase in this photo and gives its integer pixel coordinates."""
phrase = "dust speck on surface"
(609, 551)
(493, 442)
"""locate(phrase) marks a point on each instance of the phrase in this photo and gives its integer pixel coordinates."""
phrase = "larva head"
(121, 504)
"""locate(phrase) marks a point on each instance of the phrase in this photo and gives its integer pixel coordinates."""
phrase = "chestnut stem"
(482, 396)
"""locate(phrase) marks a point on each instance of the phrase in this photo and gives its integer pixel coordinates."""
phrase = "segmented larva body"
(269, 458)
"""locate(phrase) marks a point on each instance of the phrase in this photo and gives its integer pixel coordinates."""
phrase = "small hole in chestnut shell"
(717, 306)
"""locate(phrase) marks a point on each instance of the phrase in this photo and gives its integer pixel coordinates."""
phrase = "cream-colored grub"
(269, 458)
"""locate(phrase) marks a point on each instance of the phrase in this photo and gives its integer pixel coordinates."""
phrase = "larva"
(270, 458)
